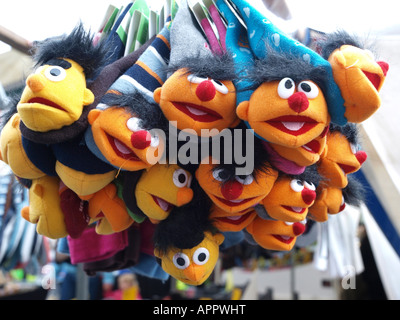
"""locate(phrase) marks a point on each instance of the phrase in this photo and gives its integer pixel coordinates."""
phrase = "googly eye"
(219, 86)
(309, 185)
(304, 222)
(286, 88)
(55, 73)
(288, 223)
(309, 88)
(181, 260)
(297, 185)
(133, 124)
(246, 180)
(155, 141)
(220, 175)
(201, 256)
(353, 148)
(180, 178)
(39, 70)
(195, 79)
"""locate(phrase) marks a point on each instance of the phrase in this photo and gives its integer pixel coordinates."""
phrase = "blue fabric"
(232, 239)
(149, 267)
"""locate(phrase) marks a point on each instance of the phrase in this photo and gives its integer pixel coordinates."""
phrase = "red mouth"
(294, 125)
(312, 146)
(46, 103)
(374, 78)
(346, 168)
(234, 203)
(121, 149)
(298, 210)
(164, 205)
(196, 112)
(236, 220)
(284, 239)
(342, 206)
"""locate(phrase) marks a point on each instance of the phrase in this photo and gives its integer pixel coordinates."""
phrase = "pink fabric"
(90, 246)
(212, 39)
(219, 24)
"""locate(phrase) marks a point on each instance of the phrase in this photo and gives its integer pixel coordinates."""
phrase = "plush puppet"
(275, 235)
(288, 106)
(231, 222)
(161, 188)
(359, 76)
(44, 208)
(291, 196)
(199, 92)
(343, 155)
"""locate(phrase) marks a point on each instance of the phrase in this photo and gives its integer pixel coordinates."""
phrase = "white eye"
(288, 223)
(201, 256)
(181, 261)
(194, 79)
(133, 124)
(39, 69)
(219, 86)
(155, 141)
(286, 88)
(55, 73)
(304, 222)
(297, 185)
(309, 88)
(180, 178)
(246, 180)
(353, 148)
(219, 175)
(309, 185)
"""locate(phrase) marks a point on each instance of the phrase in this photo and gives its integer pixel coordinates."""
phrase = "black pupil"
(288, 84)
(300, 183)
(180, 261)
(55, 72)
(223, 175)
(218, 82)
(182, 178)
(306, 87)
(202, 256)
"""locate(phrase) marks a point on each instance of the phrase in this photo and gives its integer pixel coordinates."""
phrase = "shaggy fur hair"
(335, 40)
(354, 192)
(349, 130)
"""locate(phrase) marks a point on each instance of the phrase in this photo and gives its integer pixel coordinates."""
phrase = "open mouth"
(298, 210)
(374, 78)
(313, 146)
(236, 220)
(164, 205)
(121, 149)
(284, 239)
(234, 203)
(346, 168)
(342, 205)
(46, 102)
(294, 125)
(196, 112)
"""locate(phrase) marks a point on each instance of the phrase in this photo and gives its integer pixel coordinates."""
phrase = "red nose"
(231, 190)
(140, 139)
(298, 228)
(308, 196)
(384, 66)
(298, 102)
(205, 91)
(361, 156)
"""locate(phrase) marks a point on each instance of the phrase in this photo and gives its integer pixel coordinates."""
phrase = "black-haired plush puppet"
(186, 241)
(359, 76)
(291, 196)
(288, 106)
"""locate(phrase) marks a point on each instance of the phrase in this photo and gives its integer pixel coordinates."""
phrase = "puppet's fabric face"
(231, 222)
(120, 139)
(54, 96)
(236, 195)
(360, 79)
(341, 159)
(198, 103)
(286, 113)
(289, 199)
(192, 266)
(305, 155)
(275, 235)
(161, 188)
(329, 201)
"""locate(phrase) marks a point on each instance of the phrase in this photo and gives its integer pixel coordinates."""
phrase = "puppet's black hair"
(9, 110)
(349, 130)
(354, 192)
(77, 46)
(332, 41)
(185, 226)
(217, 67)
(279, 65)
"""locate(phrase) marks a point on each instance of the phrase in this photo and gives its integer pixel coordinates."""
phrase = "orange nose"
(298, 102)
(35, 82)
(205, 91)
